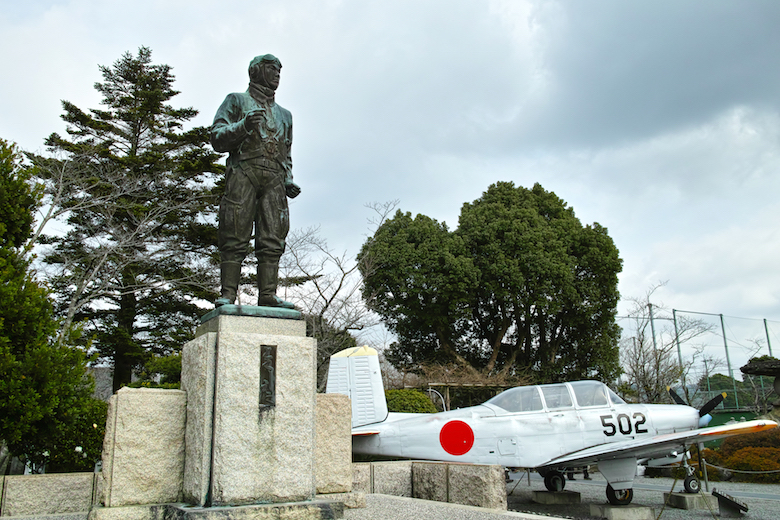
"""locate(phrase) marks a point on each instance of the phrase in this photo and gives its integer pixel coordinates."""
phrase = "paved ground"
(762, 499)
(386, 507)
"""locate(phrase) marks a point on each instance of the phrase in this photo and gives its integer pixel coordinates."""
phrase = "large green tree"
(137, 196)
(43, 386)
(520, 285)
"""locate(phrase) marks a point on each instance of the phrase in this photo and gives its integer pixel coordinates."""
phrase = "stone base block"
(57, 516)
(314, 510)
(691, 501)
(47, 494)
(250, 383)
(143, 450)
(392, 478)
(351, 500)
(629, 512)
(429, 481)
(333, 444)
(477, 485)
(149, 512)
(361, 477)
(560, 497)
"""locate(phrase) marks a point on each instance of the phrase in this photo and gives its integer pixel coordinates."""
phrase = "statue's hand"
(254, 119)
(292, 189)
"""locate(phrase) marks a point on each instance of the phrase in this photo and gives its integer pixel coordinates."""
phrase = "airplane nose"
(704, 420)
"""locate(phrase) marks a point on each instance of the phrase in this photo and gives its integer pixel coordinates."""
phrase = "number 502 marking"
(624, 425)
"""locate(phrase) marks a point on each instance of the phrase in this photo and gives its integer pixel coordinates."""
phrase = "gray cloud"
(659, 120)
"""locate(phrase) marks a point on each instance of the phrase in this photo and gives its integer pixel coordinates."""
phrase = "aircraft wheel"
(691, 484)
(622, 497)
(554, 481)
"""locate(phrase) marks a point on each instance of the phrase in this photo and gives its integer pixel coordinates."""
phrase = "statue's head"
(265, 70)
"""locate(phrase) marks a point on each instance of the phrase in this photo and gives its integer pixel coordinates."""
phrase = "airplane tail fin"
(355, 372)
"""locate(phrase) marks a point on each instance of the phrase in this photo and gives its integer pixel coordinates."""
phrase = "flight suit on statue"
(258, 134)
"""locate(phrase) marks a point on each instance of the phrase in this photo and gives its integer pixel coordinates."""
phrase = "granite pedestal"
(250, 385)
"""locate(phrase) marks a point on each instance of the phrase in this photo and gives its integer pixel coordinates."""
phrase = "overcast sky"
(658, 119)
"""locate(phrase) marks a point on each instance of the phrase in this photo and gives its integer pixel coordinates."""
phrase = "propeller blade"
(711, 404)
(677, 398)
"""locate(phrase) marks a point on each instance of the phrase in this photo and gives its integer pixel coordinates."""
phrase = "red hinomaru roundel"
(456, 437)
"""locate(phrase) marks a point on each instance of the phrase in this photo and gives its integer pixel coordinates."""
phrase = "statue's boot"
(230, 273)
(267, 280)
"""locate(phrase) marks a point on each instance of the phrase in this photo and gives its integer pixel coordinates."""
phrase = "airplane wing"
(658, 446)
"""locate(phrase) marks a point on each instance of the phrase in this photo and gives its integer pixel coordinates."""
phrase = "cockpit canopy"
(582, 394)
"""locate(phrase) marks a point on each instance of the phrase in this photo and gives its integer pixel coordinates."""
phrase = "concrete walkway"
(386, 507)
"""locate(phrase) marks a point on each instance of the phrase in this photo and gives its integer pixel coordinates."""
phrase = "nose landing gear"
(620, 497)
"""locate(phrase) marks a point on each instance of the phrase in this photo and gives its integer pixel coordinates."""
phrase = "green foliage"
(70, 444)
(750, 452)
(409, 401)
(765, 439)
(43, 386)
(765, 357)
(18, 198)
(520, 285)
(755, 459)
(137, 195)
(419, 281)
(717, 383)
(160, 372)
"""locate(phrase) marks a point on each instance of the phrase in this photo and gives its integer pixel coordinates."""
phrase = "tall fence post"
(728, 361)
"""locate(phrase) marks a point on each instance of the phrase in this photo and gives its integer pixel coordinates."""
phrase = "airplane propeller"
(675, 396)
(711, 404)
(704, 412)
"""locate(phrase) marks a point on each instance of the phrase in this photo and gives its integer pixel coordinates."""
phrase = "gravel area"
(763, 500)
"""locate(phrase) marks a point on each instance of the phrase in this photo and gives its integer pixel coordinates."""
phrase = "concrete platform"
(629, 512)
(556, 498)
(691, 501)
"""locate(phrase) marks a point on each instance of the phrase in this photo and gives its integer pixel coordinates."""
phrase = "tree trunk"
(124, 358)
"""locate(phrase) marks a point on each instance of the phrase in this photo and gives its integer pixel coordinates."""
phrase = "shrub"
(409, 401)
(765, 439)
(755, 459)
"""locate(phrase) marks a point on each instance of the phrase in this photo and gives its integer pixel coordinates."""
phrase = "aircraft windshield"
(590, 393)
(520, 399)
(616, 399)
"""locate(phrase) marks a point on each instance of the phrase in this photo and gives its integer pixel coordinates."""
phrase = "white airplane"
(547, 428)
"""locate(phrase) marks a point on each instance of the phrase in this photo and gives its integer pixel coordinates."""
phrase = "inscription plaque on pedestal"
(267, 376)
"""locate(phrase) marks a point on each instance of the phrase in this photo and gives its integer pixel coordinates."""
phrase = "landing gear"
(691, 484)
(621, 497)
(554, 481)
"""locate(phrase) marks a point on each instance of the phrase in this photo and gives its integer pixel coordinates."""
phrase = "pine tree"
(136, 192)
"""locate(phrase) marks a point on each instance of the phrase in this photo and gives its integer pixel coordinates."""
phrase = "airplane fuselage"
(548, 428)
(491, 434)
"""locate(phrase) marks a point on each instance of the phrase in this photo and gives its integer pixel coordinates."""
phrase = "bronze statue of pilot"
(257, 133)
